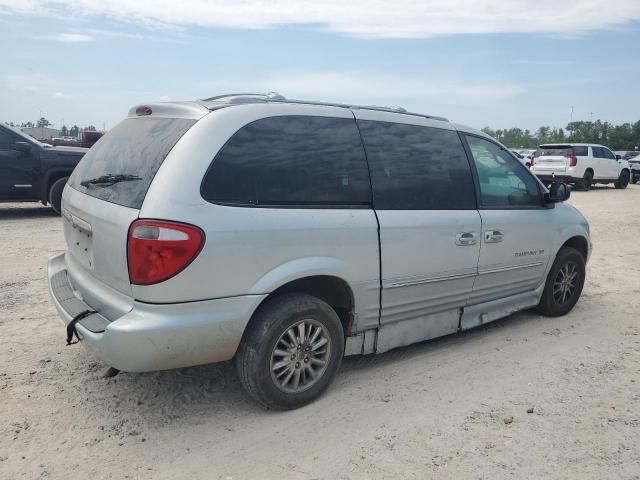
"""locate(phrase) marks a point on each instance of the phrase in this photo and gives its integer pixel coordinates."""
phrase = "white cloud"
(61, 96)
(364, 18)
(113, 33)
(73, 38)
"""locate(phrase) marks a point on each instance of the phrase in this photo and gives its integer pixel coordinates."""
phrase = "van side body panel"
(255, 250)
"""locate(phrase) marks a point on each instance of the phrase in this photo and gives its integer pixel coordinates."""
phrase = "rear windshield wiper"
(109, 179)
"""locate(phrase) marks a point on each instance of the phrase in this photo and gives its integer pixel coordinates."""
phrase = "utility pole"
(591, 113)
(571, 117)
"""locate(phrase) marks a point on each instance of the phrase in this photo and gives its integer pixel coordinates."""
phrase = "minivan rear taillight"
(573, 160)
(157, 249)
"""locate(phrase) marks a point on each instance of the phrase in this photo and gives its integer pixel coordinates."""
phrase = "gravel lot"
(438, 409)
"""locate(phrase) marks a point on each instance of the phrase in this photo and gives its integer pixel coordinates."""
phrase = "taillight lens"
(533, 160)
(158, 250)
(573, 161)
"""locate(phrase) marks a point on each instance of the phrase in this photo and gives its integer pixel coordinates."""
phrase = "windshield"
(133, 150)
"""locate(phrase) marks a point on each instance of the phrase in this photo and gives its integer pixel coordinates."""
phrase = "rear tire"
(291, 351)
(564, 283)
(623, 180)
(587, 181)
(55, 194)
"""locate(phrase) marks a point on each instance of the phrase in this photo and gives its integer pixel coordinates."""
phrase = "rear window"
(291, 161)
(554, 151)
(133, 149)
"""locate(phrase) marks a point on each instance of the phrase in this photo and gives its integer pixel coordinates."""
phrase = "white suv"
(580, 164)
(286, 234)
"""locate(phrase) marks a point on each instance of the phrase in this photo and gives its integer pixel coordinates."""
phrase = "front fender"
(572, 229)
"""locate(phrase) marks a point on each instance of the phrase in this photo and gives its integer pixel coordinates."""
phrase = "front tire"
(291, 351)
(623, 180)
(564, 283)
(55, 194)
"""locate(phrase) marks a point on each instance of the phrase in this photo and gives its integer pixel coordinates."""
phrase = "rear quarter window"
(581, 151)
(295, 161)
(136, 147)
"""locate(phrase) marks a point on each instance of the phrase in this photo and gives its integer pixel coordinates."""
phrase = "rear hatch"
(106, 192)
(552, 158)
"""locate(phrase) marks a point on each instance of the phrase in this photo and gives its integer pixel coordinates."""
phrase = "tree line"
(65, 131)
(625, 136)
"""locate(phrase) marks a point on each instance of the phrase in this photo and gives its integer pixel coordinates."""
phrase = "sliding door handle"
(493, 236)
(466, 238)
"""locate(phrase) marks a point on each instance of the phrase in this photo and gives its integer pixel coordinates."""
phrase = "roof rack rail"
(243, 98)
(266, 96)
(384, 108)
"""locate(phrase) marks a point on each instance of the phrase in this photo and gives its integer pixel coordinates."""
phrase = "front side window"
(504, 182)
(608, 154)
(598, 152)
(291, 161)
(417, 168)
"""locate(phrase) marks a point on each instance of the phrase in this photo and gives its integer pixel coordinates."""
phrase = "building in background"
(41, 133)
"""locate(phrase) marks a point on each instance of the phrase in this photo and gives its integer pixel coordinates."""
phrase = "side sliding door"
(424, 198)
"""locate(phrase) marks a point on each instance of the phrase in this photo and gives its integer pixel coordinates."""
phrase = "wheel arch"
(333, 290)
(579, 243)
(51, 177)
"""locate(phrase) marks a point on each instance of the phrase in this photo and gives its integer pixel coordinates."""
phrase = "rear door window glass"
(135, 148)
(292, 161)
(417, 168)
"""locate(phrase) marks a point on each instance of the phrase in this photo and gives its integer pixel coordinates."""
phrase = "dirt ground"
(438, 409)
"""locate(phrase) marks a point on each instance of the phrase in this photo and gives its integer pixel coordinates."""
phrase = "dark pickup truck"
(31, 171)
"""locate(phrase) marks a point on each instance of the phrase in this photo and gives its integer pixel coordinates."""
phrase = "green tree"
(74, 131)
(90, 128)
(64, 131)
(43, 122)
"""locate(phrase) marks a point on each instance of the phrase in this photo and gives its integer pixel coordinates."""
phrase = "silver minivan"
(286, 234)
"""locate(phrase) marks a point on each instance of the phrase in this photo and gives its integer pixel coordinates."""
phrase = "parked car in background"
(32, 171)
(87, 140)
(580, 164)
(214, 239)
(634, 165)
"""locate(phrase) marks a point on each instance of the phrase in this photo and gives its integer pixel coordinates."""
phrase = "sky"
(509, 63)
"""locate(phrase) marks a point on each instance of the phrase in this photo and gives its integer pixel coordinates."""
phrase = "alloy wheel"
(300, 356)
(565, 283)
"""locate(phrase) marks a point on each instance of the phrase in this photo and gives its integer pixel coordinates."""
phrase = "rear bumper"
(546, 178)
(155, 336)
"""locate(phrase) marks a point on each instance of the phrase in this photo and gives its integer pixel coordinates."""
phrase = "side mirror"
(558, 192)
(528, 164)
(618, 157)
(22, 147)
